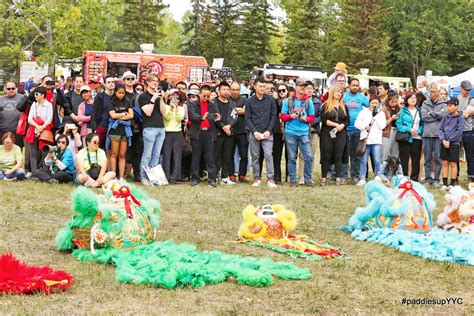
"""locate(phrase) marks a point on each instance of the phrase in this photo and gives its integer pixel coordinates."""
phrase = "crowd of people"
(92, 132)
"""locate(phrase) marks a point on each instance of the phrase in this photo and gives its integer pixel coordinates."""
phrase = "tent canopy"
(455, 81)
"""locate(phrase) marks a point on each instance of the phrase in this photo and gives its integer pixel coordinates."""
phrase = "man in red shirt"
(203, 132)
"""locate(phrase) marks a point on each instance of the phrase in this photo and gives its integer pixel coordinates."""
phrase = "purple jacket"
(451, 128)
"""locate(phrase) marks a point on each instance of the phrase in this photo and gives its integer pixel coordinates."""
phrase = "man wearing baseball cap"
(298, 113)
(98, 83)
(466, 106)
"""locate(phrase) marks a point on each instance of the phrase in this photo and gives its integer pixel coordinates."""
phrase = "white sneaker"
(146, 182)
(28, 175)
(301, 181)
(271, 184)
(227, 181)
(256, 183)
(444, 188)
(361, 183)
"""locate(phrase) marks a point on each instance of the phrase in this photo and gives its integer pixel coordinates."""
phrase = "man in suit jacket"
(203, 133)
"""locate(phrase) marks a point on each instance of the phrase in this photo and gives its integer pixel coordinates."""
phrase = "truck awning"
(124, 59)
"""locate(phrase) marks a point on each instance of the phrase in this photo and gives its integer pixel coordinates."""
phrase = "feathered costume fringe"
(169, 265)
(19, 278)
(438, 245)
(165, 264)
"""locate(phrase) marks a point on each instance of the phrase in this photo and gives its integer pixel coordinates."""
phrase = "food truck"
(172, 67)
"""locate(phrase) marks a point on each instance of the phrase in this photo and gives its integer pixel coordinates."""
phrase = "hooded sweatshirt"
(451, 128)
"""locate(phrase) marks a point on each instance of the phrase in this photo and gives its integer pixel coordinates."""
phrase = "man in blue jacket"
(354, 100)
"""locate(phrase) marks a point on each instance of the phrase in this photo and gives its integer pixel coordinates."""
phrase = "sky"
(179, 7)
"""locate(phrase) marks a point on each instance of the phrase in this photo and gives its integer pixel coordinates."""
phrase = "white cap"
(127, 74)
(85, 88)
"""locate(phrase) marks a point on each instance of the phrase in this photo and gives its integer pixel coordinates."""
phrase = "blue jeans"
(353, 138)
(19, 174)
(375, 152)
(292, 142)
(153, 138)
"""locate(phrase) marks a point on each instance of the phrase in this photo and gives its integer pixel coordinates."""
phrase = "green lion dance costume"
(120, 228)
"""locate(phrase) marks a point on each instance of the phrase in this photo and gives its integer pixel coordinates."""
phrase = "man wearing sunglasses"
(129, 79)
(9, 114)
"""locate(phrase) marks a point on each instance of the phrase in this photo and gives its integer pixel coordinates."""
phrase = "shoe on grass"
(227, 181)
(243, 179)
(256, 183)
(213, 184)
(147, 183)
(271, 184)
(301, 182)
(309, 183)
(194, 183)
(361, 183)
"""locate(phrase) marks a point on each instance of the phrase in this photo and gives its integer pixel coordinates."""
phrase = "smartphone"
(212, 116)
(50, 83)
(333, 133)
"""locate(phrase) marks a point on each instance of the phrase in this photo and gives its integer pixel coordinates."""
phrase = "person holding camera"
(202, 132)
(60, 162)
(91, 163)
(173, 146)
(73, 136)
(152, 109)
(298, 113)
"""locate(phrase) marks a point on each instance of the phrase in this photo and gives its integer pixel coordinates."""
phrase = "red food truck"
(172, 67)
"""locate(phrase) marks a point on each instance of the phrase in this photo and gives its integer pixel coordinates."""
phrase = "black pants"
(277, 154)
(413, 151)
(332, 151)
(223, 154)
(468, 143)
(241, 142)
(46, 175)
(134, 154)
(36, 156)
(173, 148)
(203, 146)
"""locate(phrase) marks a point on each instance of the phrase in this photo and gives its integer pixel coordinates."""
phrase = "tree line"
(390, 37)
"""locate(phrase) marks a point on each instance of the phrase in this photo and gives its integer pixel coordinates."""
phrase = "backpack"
(291, 104)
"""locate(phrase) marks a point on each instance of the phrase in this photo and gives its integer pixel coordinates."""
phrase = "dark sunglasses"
(95, 142)
(193, 96)
(10, 89)
(37, 94)
(61, 142)
(282, 90)
(129, 79)
(138, 89)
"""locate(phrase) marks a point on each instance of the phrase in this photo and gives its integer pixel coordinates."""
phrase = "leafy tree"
(429, 35)
(254, 34)
(194, 29)
(172, 37)
(360, 41)
(140, 22)
(302, 44)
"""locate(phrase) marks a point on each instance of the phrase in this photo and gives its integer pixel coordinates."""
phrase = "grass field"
(375, 278)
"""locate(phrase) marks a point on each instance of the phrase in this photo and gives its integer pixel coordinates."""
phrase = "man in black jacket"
(240, 133)
(203, 133)
(73, 98)
(225, 138)
(260, 118)
(100, 113)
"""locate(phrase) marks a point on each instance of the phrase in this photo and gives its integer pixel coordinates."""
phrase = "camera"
(212, 116)
(49, 149)
(71, 126)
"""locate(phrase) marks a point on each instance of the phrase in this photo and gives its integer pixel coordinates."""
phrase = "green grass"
(374, 279)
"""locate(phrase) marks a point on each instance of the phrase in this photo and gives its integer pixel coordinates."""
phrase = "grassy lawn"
(375, 278)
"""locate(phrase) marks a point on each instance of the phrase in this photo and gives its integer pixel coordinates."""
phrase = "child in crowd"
(450, 134)
(390, 168)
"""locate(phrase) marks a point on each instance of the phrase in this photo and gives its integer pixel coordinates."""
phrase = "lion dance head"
(266, 222)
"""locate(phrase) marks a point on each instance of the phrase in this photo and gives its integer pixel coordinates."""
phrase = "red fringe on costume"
(19, 278)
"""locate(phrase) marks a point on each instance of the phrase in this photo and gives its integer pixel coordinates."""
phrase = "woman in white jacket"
(371, 125)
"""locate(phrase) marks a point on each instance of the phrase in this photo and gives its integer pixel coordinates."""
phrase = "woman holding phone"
(334, 119)
(173, 145)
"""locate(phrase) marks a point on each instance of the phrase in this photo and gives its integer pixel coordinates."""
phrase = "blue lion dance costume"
(401, 217)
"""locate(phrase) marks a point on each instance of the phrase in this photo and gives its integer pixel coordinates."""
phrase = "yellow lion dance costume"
(269, 226)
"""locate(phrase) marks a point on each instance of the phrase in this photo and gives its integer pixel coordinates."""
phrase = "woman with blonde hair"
(334, 119)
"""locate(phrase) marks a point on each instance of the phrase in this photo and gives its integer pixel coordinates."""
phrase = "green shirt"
(8, 159)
